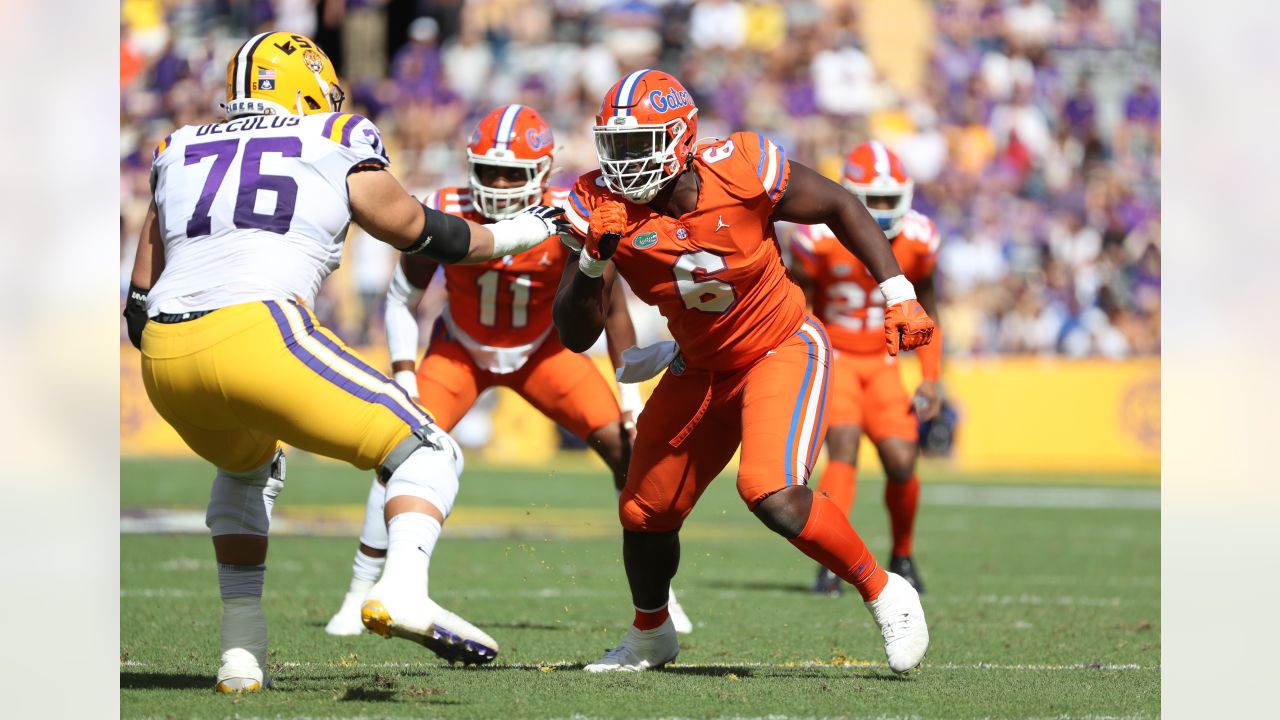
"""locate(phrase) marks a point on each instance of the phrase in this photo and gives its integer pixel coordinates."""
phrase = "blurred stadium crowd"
(1032, 127)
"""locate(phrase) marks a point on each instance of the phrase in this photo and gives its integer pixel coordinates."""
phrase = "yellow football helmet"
(280, 72)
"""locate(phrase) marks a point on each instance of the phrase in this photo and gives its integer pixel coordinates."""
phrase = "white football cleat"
(640, 650)
(679, 619)
(347, 620)
(901, 619)
(388, 613)
(240, 673)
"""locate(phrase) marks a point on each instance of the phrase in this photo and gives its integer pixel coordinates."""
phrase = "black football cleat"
(828, 583)
(906, 567)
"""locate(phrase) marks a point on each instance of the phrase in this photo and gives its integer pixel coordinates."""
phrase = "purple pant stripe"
(333, 376)
(354, 359)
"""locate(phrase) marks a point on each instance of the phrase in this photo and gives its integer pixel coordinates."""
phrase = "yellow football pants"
(239, 380)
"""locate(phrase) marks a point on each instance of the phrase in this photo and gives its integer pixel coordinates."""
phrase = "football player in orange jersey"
(689, 226)
(496, 328)
(866, 387)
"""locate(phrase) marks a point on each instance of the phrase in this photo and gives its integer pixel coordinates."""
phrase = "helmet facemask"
(890, 219)
(636, 161)
(502, 203)
(332, 93)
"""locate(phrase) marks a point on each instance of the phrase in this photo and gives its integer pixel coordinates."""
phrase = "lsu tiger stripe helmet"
(644, 133)
(281, 73)
(875, 174)
(509, 156)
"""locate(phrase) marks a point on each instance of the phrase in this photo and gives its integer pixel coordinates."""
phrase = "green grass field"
(1044, 602)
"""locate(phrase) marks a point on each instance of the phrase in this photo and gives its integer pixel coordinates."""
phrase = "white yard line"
(344, 520)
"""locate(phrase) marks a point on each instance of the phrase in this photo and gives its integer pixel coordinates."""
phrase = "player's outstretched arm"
(147, 266)
(382, 207)
(404, 294)
(811, 198)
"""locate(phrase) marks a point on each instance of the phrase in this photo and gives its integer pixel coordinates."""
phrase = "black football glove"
(135, 313)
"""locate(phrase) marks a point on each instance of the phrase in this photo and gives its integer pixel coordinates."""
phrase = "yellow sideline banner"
(1015, 414)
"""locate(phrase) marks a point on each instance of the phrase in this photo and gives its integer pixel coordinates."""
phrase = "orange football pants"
(867, 391)
(696, 419)
(562, 385)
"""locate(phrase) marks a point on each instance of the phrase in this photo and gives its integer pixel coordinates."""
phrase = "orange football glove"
(608, 221)
(907, 326)
(607, 218)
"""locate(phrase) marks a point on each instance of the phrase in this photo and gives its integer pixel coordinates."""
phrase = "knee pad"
(429, 471)
(374, 532)
(637, 517)
(756, 486)
(241, 503)
(427, 436)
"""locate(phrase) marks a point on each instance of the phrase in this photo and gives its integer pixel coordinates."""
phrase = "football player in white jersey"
(248, 218)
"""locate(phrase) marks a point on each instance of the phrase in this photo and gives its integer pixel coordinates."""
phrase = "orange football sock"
(829, 538)
(839, 482)
(902, 499)
(650, 619)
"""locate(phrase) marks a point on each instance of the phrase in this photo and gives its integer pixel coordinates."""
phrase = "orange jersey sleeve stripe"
(771, 168)
(577, 213)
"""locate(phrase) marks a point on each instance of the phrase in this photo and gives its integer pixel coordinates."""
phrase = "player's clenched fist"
(907, 326)
(608, 220)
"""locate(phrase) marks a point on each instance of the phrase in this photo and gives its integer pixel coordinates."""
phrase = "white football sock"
(374, 532)
(243, 623)
(365, 571)
(412, 538)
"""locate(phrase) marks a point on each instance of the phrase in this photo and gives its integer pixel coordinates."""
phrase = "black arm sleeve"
(135, 314)
(444, 238)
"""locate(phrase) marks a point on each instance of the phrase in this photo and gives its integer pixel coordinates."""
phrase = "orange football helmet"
(644, 133)
(509, 156)
(872, 170)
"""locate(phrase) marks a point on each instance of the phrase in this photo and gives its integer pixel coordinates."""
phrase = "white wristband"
(629, 399)
(408, 380)
(589, 267)
(897, 289)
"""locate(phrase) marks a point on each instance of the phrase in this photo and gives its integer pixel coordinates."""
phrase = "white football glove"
(642, 363)
(408, 380)
(528, 229)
